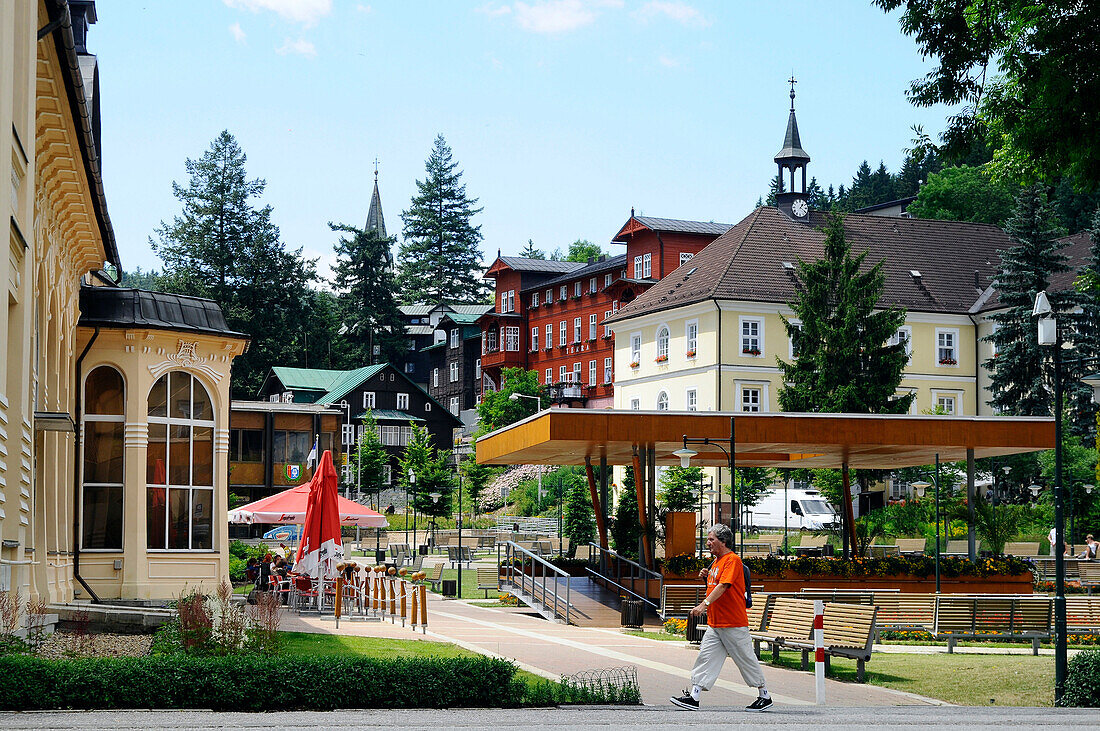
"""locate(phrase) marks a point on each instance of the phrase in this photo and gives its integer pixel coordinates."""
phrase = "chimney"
(591, 260)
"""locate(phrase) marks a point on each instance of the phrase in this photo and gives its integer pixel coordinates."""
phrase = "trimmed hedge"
(1082, 687)
(256, 683)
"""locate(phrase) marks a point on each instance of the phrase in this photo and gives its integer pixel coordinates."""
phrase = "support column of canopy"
(971, 548)
(849, 515)
(597, 506)
(640, 494)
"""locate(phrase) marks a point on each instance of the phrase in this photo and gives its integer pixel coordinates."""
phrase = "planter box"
(906, 584)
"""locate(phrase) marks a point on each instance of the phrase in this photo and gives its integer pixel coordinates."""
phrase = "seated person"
(1090, 548)
(252, 570)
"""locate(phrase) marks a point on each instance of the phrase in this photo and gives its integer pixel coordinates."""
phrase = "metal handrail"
(641, 571)
(523, 555)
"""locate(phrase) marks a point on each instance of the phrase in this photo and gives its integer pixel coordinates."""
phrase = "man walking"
(727, 626)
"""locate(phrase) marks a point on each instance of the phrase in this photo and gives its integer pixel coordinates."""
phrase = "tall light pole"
(514, 396)
(1049, 335)
(920, 486)
(686, 454)
(412, 486)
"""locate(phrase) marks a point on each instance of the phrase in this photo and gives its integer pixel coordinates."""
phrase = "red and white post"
(819, 651)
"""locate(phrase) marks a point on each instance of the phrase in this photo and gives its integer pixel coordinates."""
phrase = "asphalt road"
(903, 717)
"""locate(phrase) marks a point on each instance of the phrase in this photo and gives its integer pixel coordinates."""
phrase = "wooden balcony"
(504, 359)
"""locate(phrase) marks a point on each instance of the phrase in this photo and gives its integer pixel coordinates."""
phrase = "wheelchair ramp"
(590, 605)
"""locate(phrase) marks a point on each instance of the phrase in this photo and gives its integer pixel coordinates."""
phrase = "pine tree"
(626, 531)
(365, 285)
(774, 189)
(578, 520)
(1018, 376)
(223, 247)
(432, 474)
(475, 478)
(439, 260)
(530, 252)
(845, 363)
(1087, 340)
(815, 197)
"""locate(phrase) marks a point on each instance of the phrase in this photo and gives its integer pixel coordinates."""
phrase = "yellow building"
(114, 403)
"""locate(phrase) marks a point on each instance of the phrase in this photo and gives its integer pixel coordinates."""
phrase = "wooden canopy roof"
(863, 441)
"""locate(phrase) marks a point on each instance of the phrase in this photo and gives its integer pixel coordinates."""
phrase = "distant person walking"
(727, 626)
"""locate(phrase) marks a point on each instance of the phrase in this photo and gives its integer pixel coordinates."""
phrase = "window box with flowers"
(549, 347)
(691, 354)
(948, 361)
(591, 340)
(661, 359)
(608, 337)
(634, 364)
(750, 351)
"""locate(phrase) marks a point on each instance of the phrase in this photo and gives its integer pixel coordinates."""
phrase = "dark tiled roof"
(126, 307)
(747, 263)
(1076, 252)
(520, 264)
(586, 270)
(681, 226)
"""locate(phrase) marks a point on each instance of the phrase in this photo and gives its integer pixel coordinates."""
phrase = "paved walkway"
(552, 650)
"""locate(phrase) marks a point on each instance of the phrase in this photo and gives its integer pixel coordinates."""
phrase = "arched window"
(662, 343)
(662, 401)
(104, 423)
(179, 466)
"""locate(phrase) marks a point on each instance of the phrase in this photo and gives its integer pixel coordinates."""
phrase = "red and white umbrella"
(289, 506)
(321, 548)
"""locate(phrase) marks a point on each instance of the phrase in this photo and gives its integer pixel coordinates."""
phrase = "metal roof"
(306, 379)
(682, 226)
(521, 264)
(587, 270)
(387, 415)
(347, 381)
(129, 308)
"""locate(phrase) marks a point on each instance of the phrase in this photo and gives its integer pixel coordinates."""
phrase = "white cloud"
(306, 12)
(669, 62)
(238, 34)
(364, 8)
(671, 10)
(300, 47)
(551, 16)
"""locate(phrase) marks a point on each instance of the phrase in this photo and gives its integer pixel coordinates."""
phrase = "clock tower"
(793, 159)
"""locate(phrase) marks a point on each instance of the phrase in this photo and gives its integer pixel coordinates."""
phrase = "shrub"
(1082, 687)
(256, 683)
(674, 626)
(685, 563)
(237, 567)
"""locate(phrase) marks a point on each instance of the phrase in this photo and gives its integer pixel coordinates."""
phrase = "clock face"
(799, 208)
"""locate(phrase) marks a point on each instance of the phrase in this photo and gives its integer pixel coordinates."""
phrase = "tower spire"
(375, 221)
(792, 159)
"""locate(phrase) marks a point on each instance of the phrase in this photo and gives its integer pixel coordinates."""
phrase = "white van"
(802, 510)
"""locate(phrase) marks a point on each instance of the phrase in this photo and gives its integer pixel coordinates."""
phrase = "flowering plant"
(661, 359)
(948, 361)
(750, 351)
(634, 364)
(691, 353)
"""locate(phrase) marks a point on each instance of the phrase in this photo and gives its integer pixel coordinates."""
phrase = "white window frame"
(563, 333)
(577, 285)
(685, 257)
(454, 337)
(947, 393)
(796, 325)
(549, 335)
(534, 338)
(608, 370)
(512, 338)
(563, 293)
(453, 366)
(752, 398)
(435, 378)
(764, 387)
(549, 296)
(635, 404)
(592, 326)
(591, 373)
(746, 340)
(691, 399)
(953, 332)
(477, 369)
(607, 328)
(577, 372)
(691, 337)
(369, 399)
(638, 267)
(427, 406)
(664, 336)
(662, 401)
(549, 376)
(607, 280)
(576, 329)
(511, 301)
(647, 266)
(454, 405)
(563, 374)
(534, 299)
(402, 402)
(895, 339)
(636, 348)
(592, 285)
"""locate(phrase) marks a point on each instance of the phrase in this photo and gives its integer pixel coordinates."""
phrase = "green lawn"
(469, 584)
(663, 636)
(308, 643)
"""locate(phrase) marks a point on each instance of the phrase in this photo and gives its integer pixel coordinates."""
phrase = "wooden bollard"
(423, 609)
(412, 615)
(338, 600)
(404, 613)
(393, 601)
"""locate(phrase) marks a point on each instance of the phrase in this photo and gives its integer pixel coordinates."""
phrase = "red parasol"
(321, 549)
(289, 506)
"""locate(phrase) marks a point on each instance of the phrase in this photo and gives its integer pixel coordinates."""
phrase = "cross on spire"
(792, 81)
(376, 168)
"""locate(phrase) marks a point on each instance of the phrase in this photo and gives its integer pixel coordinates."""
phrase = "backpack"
(748, 586)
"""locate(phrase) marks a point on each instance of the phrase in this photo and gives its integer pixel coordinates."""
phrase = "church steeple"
(375, 221)
(792, 158)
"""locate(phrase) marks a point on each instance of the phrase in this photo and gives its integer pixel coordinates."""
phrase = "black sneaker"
(760, 704)
(686, 701)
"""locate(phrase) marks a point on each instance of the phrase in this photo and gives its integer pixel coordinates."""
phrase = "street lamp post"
(412, 484)
(686, 454)
(435, 501)
(699, 548)
(920, 486)
(1049, 335)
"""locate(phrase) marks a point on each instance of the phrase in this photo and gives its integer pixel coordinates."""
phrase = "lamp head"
(1088, 489)
(435, 496)
(920, 486)
(1042, 305)
(685, 456)
(1035, 490)
(412, 476)
(1007, 469)
(513, 396)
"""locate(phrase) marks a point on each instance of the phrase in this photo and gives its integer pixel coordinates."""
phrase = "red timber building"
(548, 316)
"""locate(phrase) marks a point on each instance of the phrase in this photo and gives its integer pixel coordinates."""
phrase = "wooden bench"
(678, 599)
(1023, 549)
(1089, 571)
(757, 548)
(488, 578)
(910, 545)
(435, 576)
(905, 612)
(849, 631)
(992, 617)
(882, 551)
(1083, 615)
(812, 541)
(787, 619)
(460, 555)
(843, 596)
(960, 548)
(1044, 567)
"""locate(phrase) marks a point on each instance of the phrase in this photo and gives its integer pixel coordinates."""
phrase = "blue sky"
(562, 114)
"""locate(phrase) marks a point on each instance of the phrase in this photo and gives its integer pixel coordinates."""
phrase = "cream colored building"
(107, 486)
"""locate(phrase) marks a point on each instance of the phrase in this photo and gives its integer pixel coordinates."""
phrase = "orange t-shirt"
(729, 609)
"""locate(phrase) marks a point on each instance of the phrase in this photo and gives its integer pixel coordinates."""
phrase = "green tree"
(498, 410)
(530, 252)
(369, 459)
(626, 530)
(1018, 376)
(578, 520)
(475, 478)
(439, 260)
(1087, 338)
(964, 194)
(365, 285)
(138, 279)
(1022, 74)
(224, 248)
(775, 187)
(432, 475)
(753, 483)
(582, 250)
(845, 362)
(680, 488)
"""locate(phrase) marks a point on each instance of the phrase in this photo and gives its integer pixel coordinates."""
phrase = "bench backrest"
(1089, 572)
(756, 548)
(883, 551)
(487, 577)
(1032, 614)
(849, 625)
(1022, 548)
(960, 546)
(679, 599)
(838, 595)
(759, 610)
(790, 618)
(813, 541)
(775, 540)
(436, 573)
(903, 611)
(910, 545)
(1083, 613)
